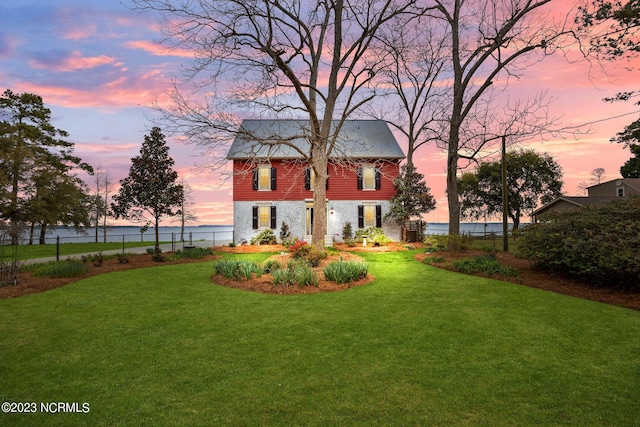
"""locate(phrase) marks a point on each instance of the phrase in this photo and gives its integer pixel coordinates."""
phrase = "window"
(621, 192)
(310, 179)
(264, 216)
(368, 178)
(369, 216)
(264, 178)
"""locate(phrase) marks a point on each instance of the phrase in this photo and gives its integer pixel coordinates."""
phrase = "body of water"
(217, 234)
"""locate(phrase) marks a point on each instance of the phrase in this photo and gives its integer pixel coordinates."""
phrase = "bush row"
(597, 244)
(298, 271)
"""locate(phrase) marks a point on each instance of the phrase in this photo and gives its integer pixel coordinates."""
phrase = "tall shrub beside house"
(598, 244)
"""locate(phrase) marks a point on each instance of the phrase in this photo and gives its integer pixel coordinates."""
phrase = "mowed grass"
(418, 346)
(25, 252)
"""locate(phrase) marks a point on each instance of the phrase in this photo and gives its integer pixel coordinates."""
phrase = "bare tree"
(597, 175)
(186, 213)
(279, 58)
(488, 40)
(416, 99)
(103, 188)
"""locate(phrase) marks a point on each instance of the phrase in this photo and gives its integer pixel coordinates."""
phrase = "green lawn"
(418, 346)
(67, 249)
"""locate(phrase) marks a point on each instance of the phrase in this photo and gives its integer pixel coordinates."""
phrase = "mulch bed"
(29, 284)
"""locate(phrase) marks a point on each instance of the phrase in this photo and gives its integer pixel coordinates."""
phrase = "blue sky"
(97, 67)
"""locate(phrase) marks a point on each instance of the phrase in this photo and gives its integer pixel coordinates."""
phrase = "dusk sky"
(98, 68)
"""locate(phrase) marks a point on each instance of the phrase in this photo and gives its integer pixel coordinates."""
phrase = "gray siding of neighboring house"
(293, 213)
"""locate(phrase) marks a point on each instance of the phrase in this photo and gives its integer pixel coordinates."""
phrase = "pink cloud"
(159, 50)
(73, 62)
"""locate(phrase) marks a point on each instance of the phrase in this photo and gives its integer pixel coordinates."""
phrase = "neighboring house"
(597, 194)
(272, 183)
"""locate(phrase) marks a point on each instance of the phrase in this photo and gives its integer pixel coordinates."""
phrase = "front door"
(309, 220)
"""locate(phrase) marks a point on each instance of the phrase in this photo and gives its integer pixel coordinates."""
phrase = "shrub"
(596, 244)
(232, 245)
(347, 233)
(433, 260)
(122, 259)
(285, 234)
(483, 264)
(374, 235)
(237, 270)
(301, 250)
(58, 269)
(345, 271)
(265, 237)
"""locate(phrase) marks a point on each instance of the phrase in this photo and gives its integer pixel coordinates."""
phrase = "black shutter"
(307, 179)
(255, 179)
(379, 216)
(327, 184)
(273, 179)
(360, 216)
(273, 217)
(359, 178)
(377, 179)
(255, 217)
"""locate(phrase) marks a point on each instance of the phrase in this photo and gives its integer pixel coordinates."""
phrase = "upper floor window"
(621, 192)
(368, 178)
(264, 178)
(310, 179)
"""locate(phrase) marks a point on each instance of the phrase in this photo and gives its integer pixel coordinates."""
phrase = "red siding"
(343, 183)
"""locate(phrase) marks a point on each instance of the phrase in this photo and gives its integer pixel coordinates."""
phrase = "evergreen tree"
(412, 197)
(30, 147)
(150, 193)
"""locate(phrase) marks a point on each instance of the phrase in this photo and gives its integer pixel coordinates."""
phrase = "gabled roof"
(277, 139)
(578, 202)
(631, 182)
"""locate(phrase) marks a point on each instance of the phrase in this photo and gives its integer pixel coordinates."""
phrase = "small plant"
(285, 234)
(271, 266)
(488, 264)
(97, 259)
(237, 270)
(58, 269)
(157, 255)
(374, 235)
(122, 258)
(345, 271)
(232, 244)
(194, 253)
(445, 242)
(265, 237)
(298, 272)
(299, 249)
(347, 233)
(433, 260)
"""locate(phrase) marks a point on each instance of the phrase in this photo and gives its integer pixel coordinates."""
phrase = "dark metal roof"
(278, 139)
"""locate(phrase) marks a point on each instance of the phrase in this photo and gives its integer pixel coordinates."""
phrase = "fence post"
(58, 248)
(123, 244)
(173, 246)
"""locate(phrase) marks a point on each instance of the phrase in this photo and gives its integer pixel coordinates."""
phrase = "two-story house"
(273, 183)
(596, 194)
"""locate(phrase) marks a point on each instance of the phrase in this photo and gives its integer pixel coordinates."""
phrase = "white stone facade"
(293, 213)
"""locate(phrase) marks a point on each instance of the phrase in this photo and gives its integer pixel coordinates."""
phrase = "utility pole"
(505, 195)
